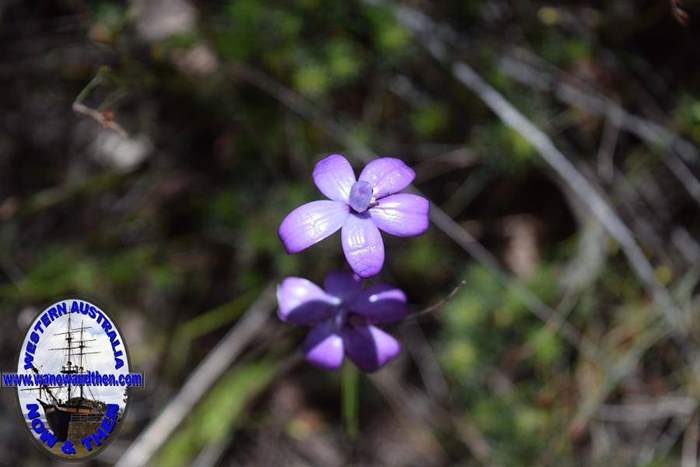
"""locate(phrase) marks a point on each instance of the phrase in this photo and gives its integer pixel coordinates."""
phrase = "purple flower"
(343, 319)
(360, 208)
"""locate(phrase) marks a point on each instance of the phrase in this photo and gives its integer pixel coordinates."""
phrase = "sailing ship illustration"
(72, 411)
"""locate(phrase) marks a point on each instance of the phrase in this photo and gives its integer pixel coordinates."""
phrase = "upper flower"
(343, 319)
(361, 207)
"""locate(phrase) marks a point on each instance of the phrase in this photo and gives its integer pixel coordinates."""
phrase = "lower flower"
(344, 319)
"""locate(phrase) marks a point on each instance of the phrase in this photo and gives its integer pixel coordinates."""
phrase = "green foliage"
(110, 18)
(687, 116)
(248, 22)
(62, 270)
(482, 325)
(429, 119)
(564, 51)
(505, 150)
(312, 79)
(546, 346)
(389, 36)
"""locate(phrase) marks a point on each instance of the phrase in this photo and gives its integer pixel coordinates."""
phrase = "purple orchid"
(343, 319)
(360, 208)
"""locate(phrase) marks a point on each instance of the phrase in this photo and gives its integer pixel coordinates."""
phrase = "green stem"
(350, 399)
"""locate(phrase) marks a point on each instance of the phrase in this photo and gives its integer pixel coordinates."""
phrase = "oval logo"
(72, 379)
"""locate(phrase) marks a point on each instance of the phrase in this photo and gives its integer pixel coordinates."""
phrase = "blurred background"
(149, 150)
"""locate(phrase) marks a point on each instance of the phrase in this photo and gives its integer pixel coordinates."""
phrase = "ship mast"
(70, 368)
(82, 346)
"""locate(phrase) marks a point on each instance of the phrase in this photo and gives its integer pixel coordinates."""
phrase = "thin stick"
(644, 412)
(207, 372)
(442, 302)
(426, 31)
(606, 151)
(103, 117)
(653, 134)
(211, 454)
(690, 444)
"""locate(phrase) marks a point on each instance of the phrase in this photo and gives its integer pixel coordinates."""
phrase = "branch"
(202, 378)
(651, 133)
(103, 117)
(645, 412)
(429, 35)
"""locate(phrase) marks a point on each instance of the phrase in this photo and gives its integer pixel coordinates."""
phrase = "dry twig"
(429, 35)
(207, 372)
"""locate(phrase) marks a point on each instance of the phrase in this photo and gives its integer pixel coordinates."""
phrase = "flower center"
(345, 317)
(340, 318)
(360, 196)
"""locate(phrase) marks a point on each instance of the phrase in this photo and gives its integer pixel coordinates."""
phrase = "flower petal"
(303, 302)
(369, 347)
(403, 215)
(362, 245)
(380, 303)
(334, 177)
(310, 223)
(344, 285)
(323, 347)
(387, 175)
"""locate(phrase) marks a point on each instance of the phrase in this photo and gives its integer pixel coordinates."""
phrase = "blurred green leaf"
(219, 414)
